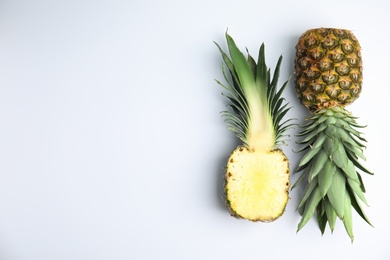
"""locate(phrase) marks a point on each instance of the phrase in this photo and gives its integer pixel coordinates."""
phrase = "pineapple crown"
(256, 106)
(332, 169)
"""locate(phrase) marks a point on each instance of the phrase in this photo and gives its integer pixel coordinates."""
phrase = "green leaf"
(321, 216)
(276, 75)
(312, 186)
(331, 120)
(356, 205)
(331, 131)
(331, 214)
(261, 72)
(308, 128)
(329, 146)
(347, 220)
(309, 155)
(340, 158)
(356, 188)
(336, 193)
(354, 150)
(361, 183)
(252, 64)
(241, 66)
(358, 165)
(325, 177)
(338, 155)
(315, 132)
(228, 62)
(320, 140)
(318, 163)
(303, 176)
(310, 208)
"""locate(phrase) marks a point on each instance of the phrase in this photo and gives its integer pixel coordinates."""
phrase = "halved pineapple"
(257, 173)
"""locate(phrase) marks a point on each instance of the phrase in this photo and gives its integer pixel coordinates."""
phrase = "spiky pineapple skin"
(328, 68)
(257, 184)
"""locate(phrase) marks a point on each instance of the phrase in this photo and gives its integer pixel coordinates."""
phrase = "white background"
(111, 141)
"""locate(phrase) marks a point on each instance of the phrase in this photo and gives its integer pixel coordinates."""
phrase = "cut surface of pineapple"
(257, 184)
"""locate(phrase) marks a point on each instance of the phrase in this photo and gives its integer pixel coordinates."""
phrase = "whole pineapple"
(328, 71)
(257, 178)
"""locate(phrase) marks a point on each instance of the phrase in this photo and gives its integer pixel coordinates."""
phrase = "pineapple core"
(257, 184)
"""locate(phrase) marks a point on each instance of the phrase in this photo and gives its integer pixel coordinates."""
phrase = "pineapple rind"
(328, 68)
(334, 183)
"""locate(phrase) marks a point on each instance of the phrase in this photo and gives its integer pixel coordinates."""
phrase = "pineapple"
(328, 71)
(257, 178)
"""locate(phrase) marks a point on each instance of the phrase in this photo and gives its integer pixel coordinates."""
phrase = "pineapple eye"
(324, 66)
(317, 54)
(318, 88)
(344, 84)
(310, 74)
(353, 62)
(311, 42)
(347, 47)
(332, 91)
(330, 79)
(304, 63)
(340, 33)
(342, 70)
(355, 77)
(329, 43)
(336, 57)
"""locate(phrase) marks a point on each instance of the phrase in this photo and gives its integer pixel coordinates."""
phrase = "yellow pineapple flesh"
(257, 184)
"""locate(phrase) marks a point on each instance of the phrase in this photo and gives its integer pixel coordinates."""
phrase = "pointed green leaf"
(356, 205)
(321, 216)
(310, 208)
(252, 64)
(315, 132)
(317, 164)
(303, 176)
(325, 177)
(309, 155)
(356, 188)
(276, 75)
(312, 186)
(354, 150)
(330, 214)
(261, 73)
(336, 193)
(227, 61)
(347, 220)
(331, 120)
(357, 164)
(320, 140)
(242, 68)
(331, 131)
(337, 153)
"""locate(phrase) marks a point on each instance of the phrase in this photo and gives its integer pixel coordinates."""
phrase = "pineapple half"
(328, 71)
(257, 178)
